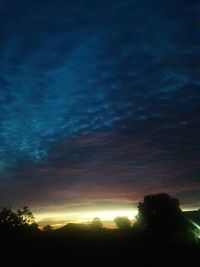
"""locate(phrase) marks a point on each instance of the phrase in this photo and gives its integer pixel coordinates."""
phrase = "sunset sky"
(99, 105)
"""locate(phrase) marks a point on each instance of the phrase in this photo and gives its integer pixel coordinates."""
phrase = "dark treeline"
(161, 228)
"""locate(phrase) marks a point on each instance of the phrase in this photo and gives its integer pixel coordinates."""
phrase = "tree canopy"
(122, 222)
(96, 223)
(16, 219)
(160, 212)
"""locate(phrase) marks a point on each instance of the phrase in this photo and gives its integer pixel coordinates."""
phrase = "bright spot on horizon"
(83, 216)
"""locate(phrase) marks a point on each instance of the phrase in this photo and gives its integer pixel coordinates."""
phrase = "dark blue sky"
(99, 101)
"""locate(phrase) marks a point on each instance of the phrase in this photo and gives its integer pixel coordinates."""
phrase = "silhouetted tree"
(47, 228)
(9, 219)
(25, 216)
(160, 213)
(96, 223)
(122, 222)
(34, 226)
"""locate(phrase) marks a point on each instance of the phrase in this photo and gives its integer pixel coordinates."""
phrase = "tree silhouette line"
(156, 214)
(20, 219)
(160, 228)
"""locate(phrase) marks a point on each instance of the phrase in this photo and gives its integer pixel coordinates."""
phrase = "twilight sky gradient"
(99, 103)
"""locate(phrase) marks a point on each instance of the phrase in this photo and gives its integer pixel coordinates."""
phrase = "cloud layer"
(99, 100)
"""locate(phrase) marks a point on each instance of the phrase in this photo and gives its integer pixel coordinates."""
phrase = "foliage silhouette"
(122, 222)
(96, 223)
(33, 226)
(19, 219)
(161, 213)
(47, 228)
(26, 217)
(9, 219)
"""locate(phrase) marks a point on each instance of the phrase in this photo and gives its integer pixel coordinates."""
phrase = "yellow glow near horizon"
(109, 215)
(84, 216)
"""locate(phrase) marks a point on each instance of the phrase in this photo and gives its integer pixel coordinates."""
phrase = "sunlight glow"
(61, 218)
(109, 215)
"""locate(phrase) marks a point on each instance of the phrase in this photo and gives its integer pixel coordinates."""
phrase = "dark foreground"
(91, 247)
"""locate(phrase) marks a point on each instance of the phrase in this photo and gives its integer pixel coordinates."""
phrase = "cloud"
(98, 96)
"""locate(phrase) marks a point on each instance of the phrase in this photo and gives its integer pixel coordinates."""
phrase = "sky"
(99, 105)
